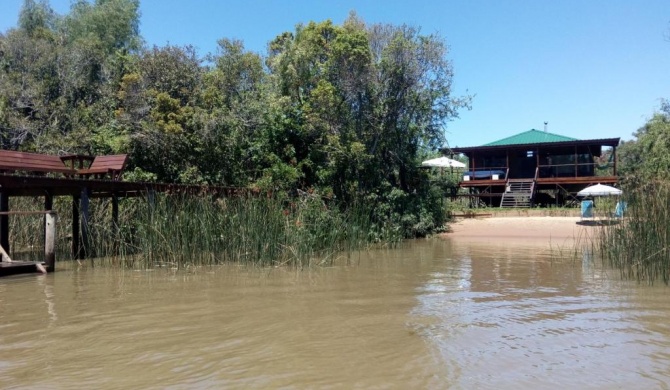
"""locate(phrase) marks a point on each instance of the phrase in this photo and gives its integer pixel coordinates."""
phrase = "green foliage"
(639, 243)
(37, 19)
(344, 110)
(649, 154)
(109, 25)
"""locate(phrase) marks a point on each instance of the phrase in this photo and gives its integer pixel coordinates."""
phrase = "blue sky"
(591, 68)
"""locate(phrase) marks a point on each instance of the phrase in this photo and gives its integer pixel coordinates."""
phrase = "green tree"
(60, 74)
(109, 25)
(345, 111)
(234, 98)
(648, 155)
(157, 105)
(37, 18)
(358, 106)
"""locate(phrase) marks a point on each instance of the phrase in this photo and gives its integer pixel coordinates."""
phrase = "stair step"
(518, 194)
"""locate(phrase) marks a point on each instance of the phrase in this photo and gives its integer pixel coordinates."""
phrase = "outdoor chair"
(587, 209)
(620, 209)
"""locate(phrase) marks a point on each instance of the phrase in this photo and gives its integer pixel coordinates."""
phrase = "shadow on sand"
(599, 222)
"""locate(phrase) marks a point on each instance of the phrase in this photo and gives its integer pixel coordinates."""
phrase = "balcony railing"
(487, 173)
(543, 171)
(575, 170)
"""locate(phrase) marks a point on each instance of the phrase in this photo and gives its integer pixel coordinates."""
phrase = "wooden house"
(536, 168)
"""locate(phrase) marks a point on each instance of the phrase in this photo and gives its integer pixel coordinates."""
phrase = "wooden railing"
(486, 173)
(575, 170)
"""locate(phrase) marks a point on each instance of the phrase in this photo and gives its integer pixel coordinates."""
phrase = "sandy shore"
(538, 230)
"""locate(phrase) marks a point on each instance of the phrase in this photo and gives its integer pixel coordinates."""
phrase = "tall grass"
(181, 231)
(639, 245)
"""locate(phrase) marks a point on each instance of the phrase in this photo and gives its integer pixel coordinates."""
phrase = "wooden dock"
(81, 178)
(81, 191)
(19, 267)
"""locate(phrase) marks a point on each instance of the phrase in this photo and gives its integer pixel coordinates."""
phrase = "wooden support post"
(85, 249)
(50, 241)
(115, 212)
(507, 163)
(48, 201)
(4, 221)
(48, 206)
(151, 197)
(115, 222)
(76, 247)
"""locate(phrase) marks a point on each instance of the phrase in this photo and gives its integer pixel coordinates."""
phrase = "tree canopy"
(346, 111)
(648, 155)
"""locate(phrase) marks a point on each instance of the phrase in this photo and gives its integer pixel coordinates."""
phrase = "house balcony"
(544, 174)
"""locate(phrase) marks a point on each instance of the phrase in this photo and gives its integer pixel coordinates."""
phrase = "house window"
(529, 153)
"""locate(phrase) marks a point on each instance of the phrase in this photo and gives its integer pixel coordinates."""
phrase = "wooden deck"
(80, 190)
(585, 181)
(489, 191)
(23, 185)
(18, 267)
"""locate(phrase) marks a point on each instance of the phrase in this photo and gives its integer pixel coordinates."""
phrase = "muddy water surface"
(435, 314)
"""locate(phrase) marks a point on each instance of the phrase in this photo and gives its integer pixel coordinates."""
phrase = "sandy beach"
(531, 229)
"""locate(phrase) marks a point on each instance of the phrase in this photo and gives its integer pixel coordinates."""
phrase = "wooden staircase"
(518, 193)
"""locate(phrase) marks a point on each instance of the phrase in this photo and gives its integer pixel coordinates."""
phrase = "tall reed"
(180, 231)
(639, 245)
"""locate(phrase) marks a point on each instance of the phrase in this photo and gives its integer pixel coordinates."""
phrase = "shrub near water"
(179, 231)
(639, 245)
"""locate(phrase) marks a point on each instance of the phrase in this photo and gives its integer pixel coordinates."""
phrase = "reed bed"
(638, 245)
(179, 231)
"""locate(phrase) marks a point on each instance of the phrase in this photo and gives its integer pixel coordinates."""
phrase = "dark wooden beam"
(84, 218)
(4, 221)
(115, 222)
(76, 251)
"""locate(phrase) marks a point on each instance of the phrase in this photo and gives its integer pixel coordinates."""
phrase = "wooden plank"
(19, 267)
(84, 218)
(90, 171)
(49, 243)
(114, 162)
(32, 167)
(32, 162)
(111, 165)
(24, 212)
(75, 228)
(5, 256)
(4, 221)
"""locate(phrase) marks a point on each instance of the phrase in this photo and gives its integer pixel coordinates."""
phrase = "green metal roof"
(531, 137)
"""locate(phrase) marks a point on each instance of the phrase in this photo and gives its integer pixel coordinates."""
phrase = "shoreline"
(561, 230)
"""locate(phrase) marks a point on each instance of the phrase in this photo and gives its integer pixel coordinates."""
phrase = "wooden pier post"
(48, 206)
(75, 228)
(84, 216)
(4, 221)
(115, 222)
(151, 197)
(50, 241)
(80, 229)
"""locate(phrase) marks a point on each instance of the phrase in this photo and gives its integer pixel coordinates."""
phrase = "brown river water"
(434, 314)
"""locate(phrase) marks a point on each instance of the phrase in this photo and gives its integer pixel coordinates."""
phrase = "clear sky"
(591, 68)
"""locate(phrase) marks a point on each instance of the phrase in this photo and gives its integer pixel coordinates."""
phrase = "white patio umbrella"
(599, 190)
(443, 162)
